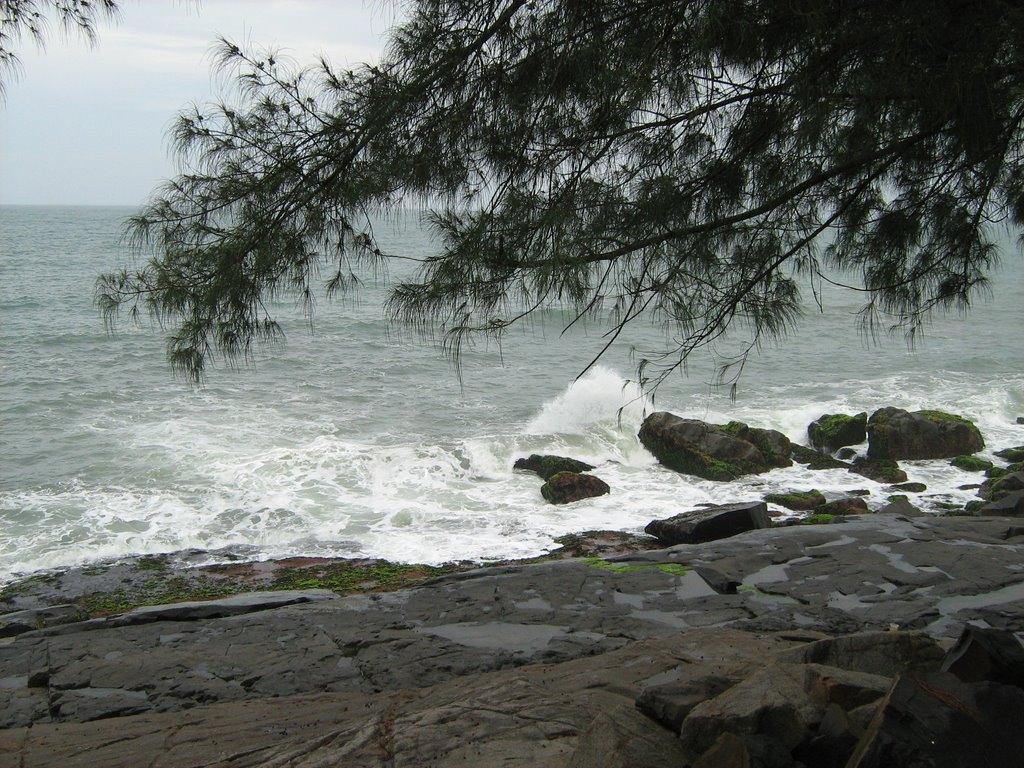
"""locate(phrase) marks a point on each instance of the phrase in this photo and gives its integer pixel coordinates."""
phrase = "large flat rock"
(922, 573)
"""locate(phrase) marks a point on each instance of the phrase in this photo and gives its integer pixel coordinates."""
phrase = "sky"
(87, 125)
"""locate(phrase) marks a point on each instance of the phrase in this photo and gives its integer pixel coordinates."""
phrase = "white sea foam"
(357, 441)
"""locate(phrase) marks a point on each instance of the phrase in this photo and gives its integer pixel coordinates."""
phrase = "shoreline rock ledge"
(785, 643)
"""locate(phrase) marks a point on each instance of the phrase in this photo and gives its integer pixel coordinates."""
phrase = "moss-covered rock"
(851, 505)
(547, 465)
(818, 518)
(971, 463)
(813, 459)
(911, 487)
(833, 431)
(880, 470)
(697, 448)
(773, 445)
(1014, 454)
(798, 501)
(894, 434)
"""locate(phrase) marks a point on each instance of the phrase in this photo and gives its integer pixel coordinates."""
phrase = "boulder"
(833, 431)
(801, 454)
(621, 738)
(746, 751)
(547, 465)
(910, 487)
(894, 433)
(937, 720)
(567, 487)
(900, 505)
(798, 501)
(1014, 454)
(1010, 505)
(879, 470)
(851, 505)
(710, 524)
(879, 653)
(970, 463)
(984, 653)
(771, 702)
(773, 445)
(695, 447)
(670, 703)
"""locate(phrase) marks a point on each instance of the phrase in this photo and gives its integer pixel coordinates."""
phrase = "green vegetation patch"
(797, 500)
(818, 518)
(971, 463)
(1014, 454)
(676, 569)
(943, 416)
(357, 577)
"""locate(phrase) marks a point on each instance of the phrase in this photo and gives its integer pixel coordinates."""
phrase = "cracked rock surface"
(497, 664)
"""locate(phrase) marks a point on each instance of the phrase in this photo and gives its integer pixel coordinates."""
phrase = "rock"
(746, 751)
(623, 739)
(936, 719)
(879, 470)
(1010, 505)
(773, 445)
(984, 653)
(894, 433)
(718, 581)
(547, 465)
(771, 702)
(16, 622)
(834, 742)
(910, 487)
(846, 454)
(1013, 455)
(847, 688)
(798, 501)
(878, 653)
(1003, 485)
(602, 544)
(852, 505)
(971, 463)
(833, 431)
(701, 525)
(697, 448)
(670, 703)
(900, 505)
(815, 459)
(85, 704)
(567, 487)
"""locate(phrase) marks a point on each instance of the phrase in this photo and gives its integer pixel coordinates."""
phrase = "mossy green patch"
(943, 416)
(1014, 454)
(347, 577)
(676, 569)
(819, 518)
(797, 500)
(971, 463)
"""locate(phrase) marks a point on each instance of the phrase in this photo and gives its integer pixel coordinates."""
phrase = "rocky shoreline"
(719, 640)
(520, 664)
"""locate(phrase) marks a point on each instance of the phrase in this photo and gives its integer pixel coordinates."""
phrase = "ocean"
(357, 438)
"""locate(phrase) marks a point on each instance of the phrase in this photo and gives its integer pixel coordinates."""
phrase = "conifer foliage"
(696, 162)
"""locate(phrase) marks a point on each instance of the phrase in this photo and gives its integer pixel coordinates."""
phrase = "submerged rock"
(798, 501)
(894, 433)
(879, 470)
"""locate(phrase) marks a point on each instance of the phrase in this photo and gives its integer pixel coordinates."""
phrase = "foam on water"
(356, 442)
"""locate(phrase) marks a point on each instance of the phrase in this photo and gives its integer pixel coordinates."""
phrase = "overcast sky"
(87, 126)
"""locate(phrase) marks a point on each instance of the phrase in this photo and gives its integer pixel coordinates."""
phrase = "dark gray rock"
(879, 470)
(834, 742)
(851, 505)
(567, 487)
(746, 751)
(877, 653)
(900, 505)
(547, 465)
(702, 525)
(17, 622)
(936, 719)
(894, 433)
(833, 431)
(620, 738)
(670, 703)
(1010, 505)
(986, 654)
(697, 448)
(1011, 454)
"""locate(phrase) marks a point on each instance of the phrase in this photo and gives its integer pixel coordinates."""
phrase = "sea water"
(356, 437)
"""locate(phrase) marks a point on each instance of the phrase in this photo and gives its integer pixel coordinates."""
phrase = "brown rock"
(567, 487)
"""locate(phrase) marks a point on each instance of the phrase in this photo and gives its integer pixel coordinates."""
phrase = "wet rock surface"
(514, 664)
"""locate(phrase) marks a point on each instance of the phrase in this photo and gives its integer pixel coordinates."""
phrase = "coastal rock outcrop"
(711, 524)
(713, 452)
(832, 431)
(894, 433)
